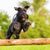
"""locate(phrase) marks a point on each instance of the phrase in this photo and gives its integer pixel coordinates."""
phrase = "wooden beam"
(24, 41)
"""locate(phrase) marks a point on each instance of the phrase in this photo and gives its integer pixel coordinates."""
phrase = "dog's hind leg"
(9, 33)
(17, 34)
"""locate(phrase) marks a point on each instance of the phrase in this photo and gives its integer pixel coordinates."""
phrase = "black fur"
(18, 24)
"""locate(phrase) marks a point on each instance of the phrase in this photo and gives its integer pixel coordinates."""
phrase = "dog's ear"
(26, 7)
(18, 9)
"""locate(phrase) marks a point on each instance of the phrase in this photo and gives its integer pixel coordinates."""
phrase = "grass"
(26, 47)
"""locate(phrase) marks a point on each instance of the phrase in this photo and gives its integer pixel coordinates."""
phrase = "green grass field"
(26, 47)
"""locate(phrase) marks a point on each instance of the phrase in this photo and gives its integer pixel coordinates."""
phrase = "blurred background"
(39, 15)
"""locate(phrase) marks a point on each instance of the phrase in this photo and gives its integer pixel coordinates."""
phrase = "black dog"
(18, 24)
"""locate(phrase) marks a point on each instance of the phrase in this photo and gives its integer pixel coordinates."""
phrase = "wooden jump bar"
(24, 41)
